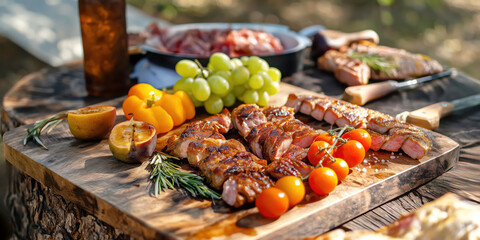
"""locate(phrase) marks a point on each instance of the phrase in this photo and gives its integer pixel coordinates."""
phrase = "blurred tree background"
(447, 30)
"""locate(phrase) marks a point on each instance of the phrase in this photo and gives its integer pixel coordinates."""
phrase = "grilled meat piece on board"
(276, 113)
(227, 162)
(220, 160)
(407, 65)
(245, 187)
(211, 127)
(247, 116)
(352, 71)
(288, 167)
(283, 117)
(387, 132)
(295, 152)
(268, 141)
(201, 149)
(347, 70)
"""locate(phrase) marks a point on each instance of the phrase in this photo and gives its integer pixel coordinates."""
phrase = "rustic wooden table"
(38, 211)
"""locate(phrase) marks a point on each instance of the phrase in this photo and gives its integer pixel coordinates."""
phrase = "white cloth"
(157, 76)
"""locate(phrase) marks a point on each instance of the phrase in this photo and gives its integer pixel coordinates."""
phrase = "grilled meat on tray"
(407, 65)
(347, 70)
(352, 68)
(221, 160)
(283, 117)
(387, 133)
(279, 139)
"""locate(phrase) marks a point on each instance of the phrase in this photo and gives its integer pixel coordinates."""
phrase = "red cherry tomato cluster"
(332, 165)
(335, 162)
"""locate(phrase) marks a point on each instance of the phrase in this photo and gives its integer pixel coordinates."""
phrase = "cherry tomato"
(315, 152)
(272, 202)
(339, 166)
(326, 137)
(323, 180)
(360, 135)
(293, 187)
(352, 152)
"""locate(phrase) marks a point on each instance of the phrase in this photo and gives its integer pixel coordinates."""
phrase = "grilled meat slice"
(276, 144)
(227, 162)
(377, 140)
(201, 149)
(333, 112)
(387, 132)
(295, 152)
(221, 122)
(417, 145)
(256, 138)
(395, 139)
(283, 117)
(268, 141)
(317, 104)
(407, 65)
(275, 113)
(346, 69)
(352, 115)
(382, 123)
(178, 145)
(288, 167)
(321, 107)
(210, 127)
(245, 188)
(302, 134)
(294, 101)
(247, 116)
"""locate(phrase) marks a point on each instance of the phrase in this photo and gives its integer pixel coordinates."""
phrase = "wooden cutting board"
(120, 194)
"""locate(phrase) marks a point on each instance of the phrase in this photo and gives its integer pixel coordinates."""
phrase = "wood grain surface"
(119, 194)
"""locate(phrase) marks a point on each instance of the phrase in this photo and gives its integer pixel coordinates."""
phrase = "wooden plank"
(120, 195)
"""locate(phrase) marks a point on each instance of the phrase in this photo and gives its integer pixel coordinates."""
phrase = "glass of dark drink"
(105, 47)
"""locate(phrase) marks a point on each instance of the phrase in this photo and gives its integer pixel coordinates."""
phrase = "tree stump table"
(38, 212)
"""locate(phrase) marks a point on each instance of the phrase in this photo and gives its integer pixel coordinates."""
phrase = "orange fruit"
(132, 141)
(92, 123)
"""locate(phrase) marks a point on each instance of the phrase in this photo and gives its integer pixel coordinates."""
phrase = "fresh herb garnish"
(375, 61)
(167, 175)
(48, 123)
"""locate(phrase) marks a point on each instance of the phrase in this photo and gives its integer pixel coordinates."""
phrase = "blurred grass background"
(447, 30)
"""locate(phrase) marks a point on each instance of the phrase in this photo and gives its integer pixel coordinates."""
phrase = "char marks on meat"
(245, 187)
(387, 133)
(246, 117)
(288, 167)
(283, 117)
(280, 140)
(220, 160)
(347, 70)
(352, 71)
(407, 65)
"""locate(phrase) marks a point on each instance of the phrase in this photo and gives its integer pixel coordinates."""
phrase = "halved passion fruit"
(132, 141)
(92, 123)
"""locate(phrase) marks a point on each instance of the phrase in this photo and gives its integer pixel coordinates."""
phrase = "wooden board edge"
(449, 159)
(93, 205)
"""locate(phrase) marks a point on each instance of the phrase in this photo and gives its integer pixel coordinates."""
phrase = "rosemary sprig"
(167, 175)
(375, 61)
(48, 123)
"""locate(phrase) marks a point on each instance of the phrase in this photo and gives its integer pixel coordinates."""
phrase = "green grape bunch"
(225, 80)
